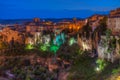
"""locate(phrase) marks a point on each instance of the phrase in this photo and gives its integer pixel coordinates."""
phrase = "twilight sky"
(17, 9)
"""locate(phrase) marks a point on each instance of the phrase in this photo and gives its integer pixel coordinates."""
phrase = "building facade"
(113, 22)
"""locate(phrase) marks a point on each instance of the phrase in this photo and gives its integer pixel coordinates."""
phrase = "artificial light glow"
(44, 47)
(85, 46)
(29, 46)
(100, 64)
(97, 69)
(54, 48)
(59, 39)
(118, 78)
(72, 41)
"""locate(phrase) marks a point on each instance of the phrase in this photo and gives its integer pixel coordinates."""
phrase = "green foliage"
(82, 69)
(29, 47)
(71, 41)
(103, 25)
(31, 72)
(54, 48)
(80, 51)
(104, 43)
(86, 29)
(101, 64)
(115, 71)
(43, 47)
(112, 45)
(70, 53)
(108, 33)
(103, 22)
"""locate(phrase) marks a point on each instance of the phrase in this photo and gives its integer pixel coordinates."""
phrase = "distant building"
(9, 33)
(73, 25)
(94, 21)
(113, 22)
(36, 20)
(95, 17)
(37, 26)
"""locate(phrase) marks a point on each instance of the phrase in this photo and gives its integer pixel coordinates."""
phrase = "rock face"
(84, 43)
(104, 48)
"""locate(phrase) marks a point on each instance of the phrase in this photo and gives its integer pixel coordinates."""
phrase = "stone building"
(94, 21)
(95, 17)
(113, 22)
(73, 25)
(39, 27)
(9, 33)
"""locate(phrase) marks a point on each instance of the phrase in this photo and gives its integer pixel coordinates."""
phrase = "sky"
(18, 9)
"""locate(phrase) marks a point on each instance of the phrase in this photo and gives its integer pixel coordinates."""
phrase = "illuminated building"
(73, 25)
(96, 17)
(8, 33)
(38, 25)
(36, 20)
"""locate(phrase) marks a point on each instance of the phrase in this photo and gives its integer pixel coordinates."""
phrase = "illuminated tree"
(54, 48)
(44, 47)
(100, 64)
(29, 47)
(71, 41)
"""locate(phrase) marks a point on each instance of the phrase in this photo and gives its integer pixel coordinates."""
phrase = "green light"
(29, 46)
(71, 41)
(100, 64)
(54, 48)
(44, 47)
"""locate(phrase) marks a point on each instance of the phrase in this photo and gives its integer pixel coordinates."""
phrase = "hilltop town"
(48, 50)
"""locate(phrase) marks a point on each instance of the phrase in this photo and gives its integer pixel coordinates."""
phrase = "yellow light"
(118, 78)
